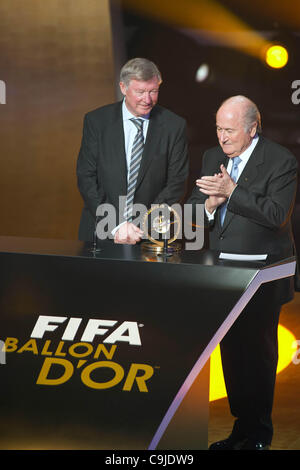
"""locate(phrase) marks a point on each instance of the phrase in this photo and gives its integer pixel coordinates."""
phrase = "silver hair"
(251, 116)
(251, 113)
(139, 69)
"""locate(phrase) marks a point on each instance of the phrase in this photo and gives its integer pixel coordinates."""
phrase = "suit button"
(221, 237)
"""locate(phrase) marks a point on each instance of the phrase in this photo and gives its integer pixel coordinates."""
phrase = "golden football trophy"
(162, 226)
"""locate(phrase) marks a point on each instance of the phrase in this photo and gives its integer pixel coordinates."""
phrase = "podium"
(110, 350)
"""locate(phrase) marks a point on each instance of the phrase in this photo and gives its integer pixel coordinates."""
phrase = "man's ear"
(123, 88)
(253, 130)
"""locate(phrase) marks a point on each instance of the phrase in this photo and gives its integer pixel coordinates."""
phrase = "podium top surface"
(130, 253)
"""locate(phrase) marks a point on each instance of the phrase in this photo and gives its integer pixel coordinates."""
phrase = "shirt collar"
(244, 156)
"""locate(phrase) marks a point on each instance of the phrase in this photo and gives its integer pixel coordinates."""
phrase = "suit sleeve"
(87, 168)
(272, 205)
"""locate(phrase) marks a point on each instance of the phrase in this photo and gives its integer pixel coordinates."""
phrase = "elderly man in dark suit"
(248, 186)
(111, 163)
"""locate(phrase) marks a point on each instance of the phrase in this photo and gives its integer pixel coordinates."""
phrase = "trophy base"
(158, 249)
(95, 250)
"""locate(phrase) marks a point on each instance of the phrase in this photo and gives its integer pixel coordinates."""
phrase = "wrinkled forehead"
(230, 117)
(144, 84)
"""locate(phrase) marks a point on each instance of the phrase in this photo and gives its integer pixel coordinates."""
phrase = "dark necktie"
(136, 157)
(233, 174)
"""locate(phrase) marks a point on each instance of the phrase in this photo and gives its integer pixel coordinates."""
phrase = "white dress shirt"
(244, 157)
(130, 131)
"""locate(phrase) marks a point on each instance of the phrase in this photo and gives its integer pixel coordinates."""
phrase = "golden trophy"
(162, 226)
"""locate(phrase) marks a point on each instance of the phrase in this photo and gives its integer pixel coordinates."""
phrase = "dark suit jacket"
(101, 166)
(258, 218)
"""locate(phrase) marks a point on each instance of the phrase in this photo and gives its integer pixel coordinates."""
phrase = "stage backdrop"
(55, 65)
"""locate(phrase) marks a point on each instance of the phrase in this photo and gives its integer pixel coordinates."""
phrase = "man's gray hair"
(251, 113)
(251, 116)
(139, 69)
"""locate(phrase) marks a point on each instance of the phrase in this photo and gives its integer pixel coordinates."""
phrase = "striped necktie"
(233, 174)
(136, 157)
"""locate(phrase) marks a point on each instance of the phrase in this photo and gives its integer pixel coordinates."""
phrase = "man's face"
(140, 96)
(232, 135)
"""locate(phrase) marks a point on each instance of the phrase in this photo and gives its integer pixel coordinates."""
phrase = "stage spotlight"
(202, 73)
(276, 56)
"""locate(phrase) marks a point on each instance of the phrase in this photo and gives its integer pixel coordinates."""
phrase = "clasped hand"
(218, 187)
(128, 234)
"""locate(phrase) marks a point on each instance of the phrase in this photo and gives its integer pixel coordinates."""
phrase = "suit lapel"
(155, 130)
(118, 156)
(248, 175)
(251, 170)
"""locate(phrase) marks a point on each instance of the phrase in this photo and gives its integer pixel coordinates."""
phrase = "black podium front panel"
(108, 351)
